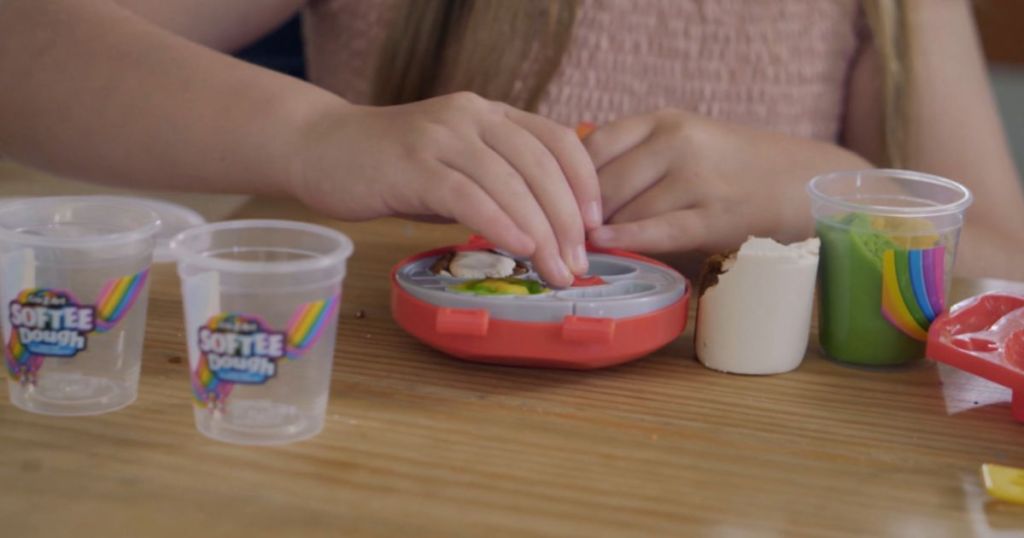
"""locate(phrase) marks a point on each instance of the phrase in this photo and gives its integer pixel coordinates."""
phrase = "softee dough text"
(260, 344)
(73, 318)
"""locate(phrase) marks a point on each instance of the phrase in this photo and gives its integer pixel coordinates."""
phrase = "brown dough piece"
(709, 273)
(441, 264)
(708, 279)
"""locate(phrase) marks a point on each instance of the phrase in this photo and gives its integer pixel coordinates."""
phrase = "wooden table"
(418, 444)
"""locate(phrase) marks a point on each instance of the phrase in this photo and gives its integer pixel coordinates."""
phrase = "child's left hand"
(674, 181)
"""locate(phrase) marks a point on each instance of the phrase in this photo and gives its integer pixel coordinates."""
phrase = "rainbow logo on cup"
(307, 325)
(913, 289)
(22, 365)
(116, 298)
(53, 323)
(242, 349)
(208, 387)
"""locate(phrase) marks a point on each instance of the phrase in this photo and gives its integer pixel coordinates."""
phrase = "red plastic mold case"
(574, 343)
(964, 338)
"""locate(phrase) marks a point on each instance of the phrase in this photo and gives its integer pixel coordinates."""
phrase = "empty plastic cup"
(261, 304)
(74, 288)
(888, 242)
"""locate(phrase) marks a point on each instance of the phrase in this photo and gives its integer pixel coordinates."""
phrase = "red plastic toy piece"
(1014, 349)
(588, 330)
(588, 281)
(965, 339)
(462, 322)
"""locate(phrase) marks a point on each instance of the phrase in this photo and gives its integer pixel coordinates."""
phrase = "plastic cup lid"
(174, 219)
(626, 287)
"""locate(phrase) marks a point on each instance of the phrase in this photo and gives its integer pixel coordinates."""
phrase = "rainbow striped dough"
(913, 293)
(935, 278)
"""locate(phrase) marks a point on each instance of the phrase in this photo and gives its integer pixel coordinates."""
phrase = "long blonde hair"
(888, 22)
(508, 50)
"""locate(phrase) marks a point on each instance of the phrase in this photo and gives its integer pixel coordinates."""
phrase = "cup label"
(48, 322)
(238, 348)
(51, 323)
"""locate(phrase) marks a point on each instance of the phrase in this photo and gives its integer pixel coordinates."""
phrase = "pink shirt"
(779, 64)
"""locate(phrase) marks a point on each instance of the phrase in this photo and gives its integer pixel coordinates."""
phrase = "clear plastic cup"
(74, 288)
(888, 242)
(261, 307)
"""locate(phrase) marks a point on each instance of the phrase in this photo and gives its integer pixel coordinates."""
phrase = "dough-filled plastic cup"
(74, 285)
(261, 301)
(888, 243)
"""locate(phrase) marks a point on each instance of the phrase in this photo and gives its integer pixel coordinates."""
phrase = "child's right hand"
(522, 181)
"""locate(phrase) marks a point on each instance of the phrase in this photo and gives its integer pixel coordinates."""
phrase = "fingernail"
(592, 214)
(580, 263)
(602, 235)
(564, 271)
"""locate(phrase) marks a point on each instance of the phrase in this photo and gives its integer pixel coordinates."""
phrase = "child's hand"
(522, 181)
(674, 181)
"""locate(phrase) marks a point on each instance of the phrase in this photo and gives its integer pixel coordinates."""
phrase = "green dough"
(501, 286)
(851, 326)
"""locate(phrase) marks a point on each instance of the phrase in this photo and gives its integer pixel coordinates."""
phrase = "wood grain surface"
(418, 444)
